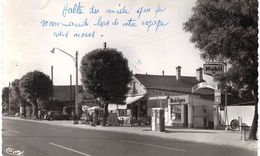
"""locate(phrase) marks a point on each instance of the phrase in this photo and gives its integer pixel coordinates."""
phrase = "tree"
(5, 99)
(15, 96)
(226, 31)
(35, 86)
(105, 74)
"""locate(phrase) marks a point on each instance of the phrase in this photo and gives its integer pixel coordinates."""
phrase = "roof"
(170, 83)
(65, 92)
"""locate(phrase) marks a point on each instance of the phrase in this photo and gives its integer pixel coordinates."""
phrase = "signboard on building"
(217, 95)
(213, 69)
(181, 99)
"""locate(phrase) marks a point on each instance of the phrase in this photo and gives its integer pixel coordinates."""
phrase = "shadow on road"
(170, 131)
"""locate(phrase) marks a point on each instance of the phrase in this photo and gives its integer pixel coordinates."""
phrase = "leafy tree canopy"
(226, 30)
(15, 96)
(5, 99)
(35, 85)
(105, 73)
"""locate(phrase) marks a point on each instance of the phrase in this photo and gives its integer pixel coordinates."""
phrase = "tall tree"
(5, 99)
(105, 74)
(35, 86)
(15, 96)
(226, 30)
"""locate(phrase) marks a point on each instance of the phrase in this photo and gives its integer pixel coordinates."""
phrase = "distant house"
(63, 95)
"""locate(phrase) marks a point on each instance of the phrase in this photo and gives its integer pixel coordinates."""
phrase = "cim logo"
(213, 69)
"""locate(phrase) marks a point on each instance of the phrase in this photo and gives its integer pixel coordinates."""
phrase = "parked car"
(56, 115)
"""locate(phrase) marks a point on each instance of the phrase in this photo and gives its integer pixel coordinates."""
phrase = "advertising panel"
(213, 69)
(181, 99)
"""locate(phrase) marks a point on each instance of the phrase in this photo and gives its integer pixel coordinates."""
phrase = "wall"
(233, 112)
(136, 88)
(200, 103)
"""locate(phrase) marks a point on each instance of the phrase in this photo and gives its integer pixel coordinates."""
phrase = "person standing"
(205, 118)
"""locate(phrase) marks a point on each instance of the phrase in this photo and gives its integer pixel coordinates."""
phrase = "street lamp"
(75, 59)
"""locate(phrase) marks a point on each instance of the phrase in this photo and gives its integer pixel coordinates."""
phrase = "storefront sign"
(182, 99)
(213, 69)
(217, 95)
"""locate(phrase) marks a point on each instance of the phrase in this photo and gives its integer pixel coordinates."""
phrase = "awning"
(116, 106)
(158, 98)
(85, 108)
(95, 108)
(130, 100)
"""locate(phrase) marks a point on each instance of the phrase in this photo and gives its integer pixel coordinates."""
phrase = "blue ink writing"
(142, 10)
(115, 22)
(76, 9)
(159, 9)
(61, 34)
(93, 10)
(85, 35)
(47, 23)
(102, 22)
(155, 23)
(130, 23)
(73, 24)
(139, 61)
(121, 10)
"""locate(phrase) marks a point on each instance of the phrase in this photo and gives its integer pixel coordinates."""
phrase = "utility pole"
(226, 97)
(75, 59)
(76, 91)
(71, 88)
(52, 85)
(9, 103)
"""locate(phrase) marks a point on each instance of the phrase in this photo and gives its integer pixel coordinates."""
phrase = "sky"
(149, 33)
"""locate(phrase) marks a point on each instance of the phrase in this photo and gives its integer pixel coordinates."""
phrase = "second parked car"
(56, 115)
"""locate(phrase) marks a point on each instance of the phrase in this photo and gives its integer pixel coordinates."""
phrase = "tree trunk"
(253, 131)
(24, 110)
(105, 114)
(35, 109)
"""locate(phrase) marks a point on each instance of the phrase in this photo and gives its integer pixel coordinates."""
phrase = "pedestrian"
(87, 118)
(205, 118)
(91, 119)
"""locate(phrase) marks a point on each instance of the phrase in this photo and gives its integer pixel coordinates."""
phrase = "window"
(176, 112)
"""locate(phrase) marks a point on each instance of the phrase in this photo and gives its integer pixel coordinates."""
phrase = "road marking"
(70, 149)
(152, 145)
(12, 131)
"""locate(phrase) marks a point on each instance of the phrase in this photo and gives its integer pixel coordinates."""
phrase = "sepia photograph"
(129, 77)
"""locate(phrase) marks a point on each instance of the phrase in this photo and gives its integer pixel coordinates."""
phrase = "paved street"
(31, 139)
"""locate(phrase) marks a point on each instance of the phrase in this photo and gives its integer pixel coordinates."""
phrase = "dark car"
(56, 115)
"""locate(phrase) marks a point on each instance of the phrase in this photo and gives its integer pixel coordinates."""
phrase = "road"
(38, 139)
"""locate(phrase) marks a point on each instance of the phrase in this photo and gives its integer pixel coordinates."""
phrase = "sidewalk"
(217, 137)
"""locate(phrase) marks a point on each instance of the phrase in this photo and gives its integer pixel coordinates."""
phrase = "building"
(173, 93)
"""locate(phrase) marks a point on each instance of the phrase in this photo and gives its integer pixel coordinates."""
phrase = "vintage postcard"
(129, 77)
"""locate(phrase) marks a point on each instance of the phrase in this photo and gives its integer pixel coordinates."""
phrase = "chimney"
(199, 75)
(178, 73)
(163, 73)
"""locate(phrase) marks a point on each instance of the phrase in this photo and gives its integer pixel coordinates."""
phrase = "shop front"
(179, 112)
(134, 110)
